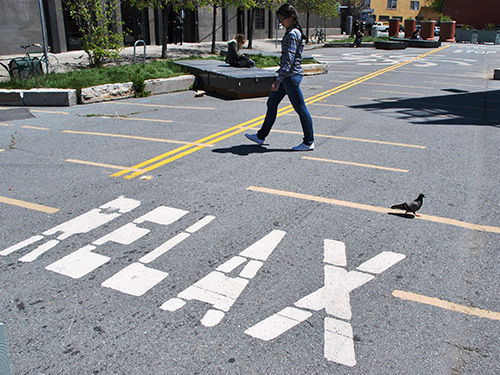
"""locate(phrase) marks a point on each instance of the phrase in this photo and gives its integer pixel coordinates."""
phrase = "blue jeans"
(291, 87)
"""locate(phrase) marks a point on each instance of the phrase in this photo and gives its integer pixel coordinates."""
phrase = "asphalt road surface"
(149, 236)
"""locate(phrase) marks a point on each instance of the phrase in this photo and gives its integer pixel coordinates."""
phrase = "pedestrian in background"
(234, 57)
(178, 29)
(288, 81)
(359, 39)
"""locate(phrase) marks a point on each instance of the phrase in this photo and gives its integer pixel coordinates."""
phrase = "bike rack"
(135, 45)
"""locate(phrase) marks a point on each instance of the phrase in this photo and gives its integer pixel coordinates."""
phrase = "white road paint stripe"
(264, 247)
(163, 248)
(162, 215)
(200, 224)
(20, 245)
(251, 269)
(339, 342)
(94, 218)
(231, 264)
(335, 253)
(79, 263)
(277, 324)
(334, 298)
(135, 279)
(212, 318)
(220, 290)
(124, 235)
(30, 257)
(381, 262)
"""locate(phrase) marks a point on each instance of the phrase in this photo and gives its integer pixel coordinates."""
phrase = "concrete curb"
(94, 94)
(38, 97)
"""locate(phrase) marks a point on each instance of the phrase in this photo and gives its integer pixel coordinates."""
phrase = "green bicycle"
(32, 63)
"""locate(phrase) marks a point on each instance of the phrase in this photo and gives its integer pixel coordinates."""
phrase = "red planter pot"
(427, 30)
(410, 26)
(393, 28)
(447, 32)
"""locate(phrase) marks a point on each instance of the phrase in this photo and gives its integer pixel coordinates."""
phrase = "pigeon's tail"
(402, 206)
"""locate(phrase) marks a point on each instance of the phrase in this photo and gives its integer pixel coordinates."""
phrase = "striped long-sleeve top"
(292, 46)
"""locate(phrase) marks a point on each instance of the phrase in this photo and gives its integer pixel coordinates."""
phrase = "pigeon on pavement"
(412, 206)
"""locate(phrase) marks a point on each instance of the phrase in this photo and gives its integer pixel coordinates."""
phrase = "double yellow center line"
(182, 151)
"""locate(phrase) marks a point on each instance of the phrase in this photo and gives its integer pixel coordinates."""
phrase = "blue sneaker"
(254, 138)
(304, 147)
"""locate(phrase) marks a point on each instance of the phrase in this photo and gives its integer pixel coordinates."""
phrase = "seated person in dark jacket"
(234, 57)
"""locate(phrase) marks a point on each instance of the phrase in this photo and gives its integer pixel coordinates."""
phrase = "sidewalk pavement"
(78, 59)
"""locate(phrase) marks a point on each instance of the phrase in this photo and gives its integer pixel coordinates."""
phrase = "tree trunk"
(250, 28)
(164, 33)
(214, 29)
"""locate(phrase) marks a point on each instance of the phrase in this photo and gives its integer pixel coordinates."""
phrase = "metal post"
(135, 45)
(44, 36)
(4, 354)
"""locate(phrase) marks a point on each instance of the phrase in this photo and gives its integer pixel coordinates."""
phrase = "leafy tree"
(355, 7)
(436, 5)
(326, 8)
(97, 23)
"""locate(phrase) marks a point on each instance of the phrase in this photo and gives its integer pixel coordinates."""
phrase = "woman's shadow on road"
(245, 150)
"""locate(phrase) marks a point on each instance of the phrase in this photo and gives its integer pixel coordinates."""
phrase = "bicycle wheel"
(53, 64)
(314, 38)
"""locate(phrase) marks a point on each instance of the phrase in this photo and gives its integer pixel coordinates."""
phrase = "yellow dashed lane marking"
(28, 205)
(173, 155)
(382, 210)
(414, 297)
(34, 127)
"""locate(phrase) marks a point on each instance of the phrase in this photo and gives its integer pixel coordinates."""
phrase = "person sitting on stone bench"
(234, 57)
(416, 35)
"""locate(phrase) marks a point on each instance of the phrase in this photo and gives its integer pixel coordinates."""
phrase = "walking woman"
(288, 81)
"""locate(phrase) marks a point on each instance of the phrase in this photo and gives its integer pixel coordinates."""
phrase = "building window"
(260, 20)
(392, 4)
(384, 18)
(414, 5)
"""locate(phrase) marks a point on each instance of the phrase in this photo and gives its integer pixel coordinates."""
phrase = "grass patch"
(136, 73)
(79, 79)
